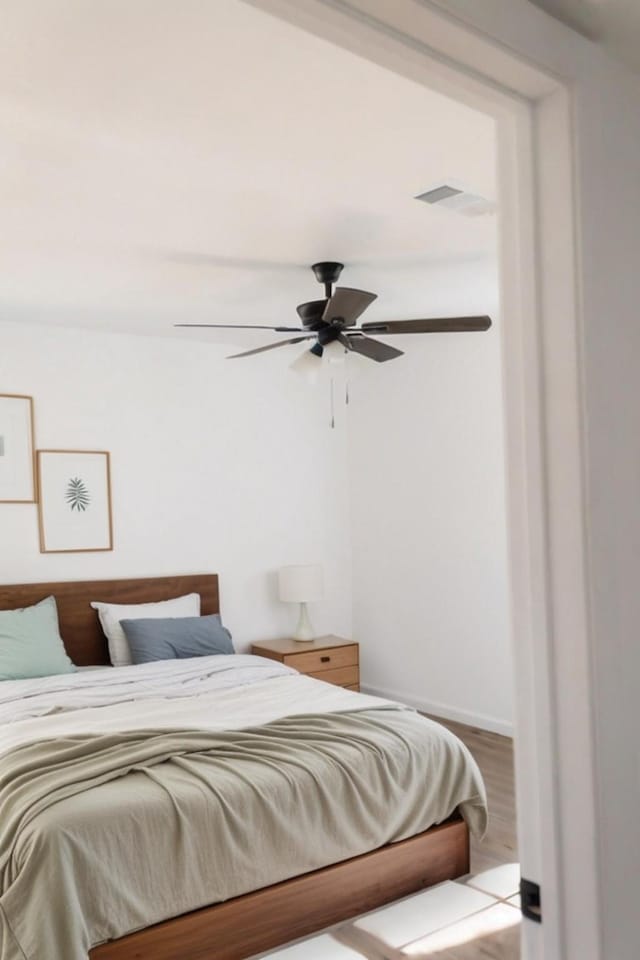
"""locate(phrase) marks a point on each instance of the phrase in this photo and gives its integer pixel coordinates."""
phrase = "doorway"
(543, 414)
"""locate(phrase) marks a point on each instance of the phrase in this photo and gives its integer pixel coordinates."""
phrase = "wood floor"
(494, 756)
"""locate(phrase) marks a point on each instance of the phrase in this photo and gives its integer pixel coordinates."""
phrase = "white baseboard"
(480, 720)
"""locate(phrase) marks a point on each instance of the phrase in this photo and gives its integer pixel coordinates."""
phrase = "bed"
(213, 806)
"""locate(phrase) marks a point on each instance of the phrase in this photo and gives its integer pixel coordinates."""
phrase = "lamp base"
(304, 630)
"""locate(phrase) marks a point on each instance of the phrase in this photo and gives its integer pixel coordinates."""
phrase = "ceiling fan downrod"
(328, 273)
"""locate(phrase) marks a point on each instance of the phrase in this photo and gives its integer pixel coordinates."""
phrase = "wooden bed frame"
(264, 919)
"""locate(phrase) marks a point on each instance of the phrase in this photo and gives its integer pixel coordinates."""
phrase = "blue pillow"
(176, 638)
(30, 643)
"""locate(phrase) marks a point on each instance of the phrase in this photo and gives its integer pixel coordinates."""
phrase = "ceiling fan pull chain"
(346, 393)
(333, 419)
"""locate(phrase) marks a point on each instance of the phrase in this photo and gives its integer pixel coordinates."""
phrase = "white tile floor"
(428, 924)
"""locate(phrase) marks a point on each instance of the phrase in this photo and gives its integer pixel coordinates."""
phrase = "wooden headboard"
(79, 625)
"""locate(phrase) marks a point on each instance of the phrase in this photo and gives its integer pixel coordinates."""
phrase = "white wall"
(428, 512)
(216, 467)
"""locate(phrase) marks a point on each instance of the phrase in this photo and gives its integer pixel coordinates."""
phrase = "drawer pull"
(325, 659)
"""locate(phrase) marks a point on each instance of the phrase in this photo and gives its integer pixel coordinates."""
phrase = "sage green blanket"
(104, 834)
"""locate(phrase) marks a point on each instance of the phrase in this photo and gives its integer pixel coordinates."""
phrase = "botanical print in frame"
(75, 501)
(17, 474)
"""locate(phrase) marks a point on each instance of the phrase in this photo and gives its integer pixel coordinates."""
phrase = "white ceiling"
(179, 160)
(614, 23)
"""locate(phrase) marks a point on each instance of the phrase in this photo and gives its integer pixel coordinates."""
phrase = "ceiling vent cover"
(458, 198)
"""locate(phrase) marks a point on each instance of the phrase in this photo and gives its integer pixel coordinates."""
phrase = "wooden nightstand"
(326, 658)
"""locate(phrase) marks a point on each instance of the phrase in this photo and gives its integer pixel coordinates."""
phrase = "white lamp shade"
(300, 584)
(334, 352)
(335, 362)
(307, 365)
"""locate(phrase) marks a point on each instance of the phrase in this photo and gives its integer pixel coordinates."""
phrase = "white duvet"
(203, 693)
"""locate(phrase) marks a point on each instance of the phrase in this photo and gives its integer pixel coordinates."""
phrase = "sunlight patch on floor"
(424, 913)
(481, 925)
(320, 948)
(474, 918)
(501, 882)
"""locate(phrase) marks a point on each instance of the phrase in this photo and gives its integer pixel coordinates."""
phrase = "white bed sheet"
(204, 693)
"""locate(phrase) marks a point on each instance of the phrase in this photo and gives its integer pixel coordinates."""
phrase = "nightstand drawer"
(329, 659)
(343, 676)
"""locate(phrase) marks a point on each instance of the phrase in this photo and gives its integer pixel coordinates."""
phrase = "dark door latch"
(530, 897)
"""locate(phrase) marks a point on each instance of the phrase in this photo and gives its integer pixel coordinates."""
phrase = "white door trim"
(440, 44)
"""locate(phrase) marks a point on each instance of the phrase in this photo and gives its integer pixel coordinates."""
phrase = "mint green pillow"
(30, 643)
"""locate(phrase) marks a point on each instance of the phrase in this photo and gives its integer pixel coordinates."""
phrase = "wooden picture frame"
(17, 444)
(74, 503)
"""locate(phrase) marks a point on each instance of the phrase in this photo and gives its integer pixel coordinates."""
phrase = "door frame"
(436, 42)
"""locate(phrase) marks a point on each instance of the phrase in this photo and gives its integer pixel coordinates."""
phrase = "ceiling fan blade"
(432, 325)
(269, 346)
(239, 326)
(312, 313)
(347, 304)
(374, 349)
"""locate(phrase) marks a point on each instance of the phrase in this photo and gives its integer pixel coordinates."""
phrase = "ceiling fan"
(333, 320)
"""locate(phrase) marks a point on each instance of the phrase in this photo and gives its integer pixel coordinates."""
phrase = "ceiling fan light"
(335, 352)
(308, 365)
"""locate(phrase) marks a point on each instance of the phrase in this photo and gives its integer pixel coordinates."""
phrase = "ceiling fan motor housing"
(328, 334)
(312, 316)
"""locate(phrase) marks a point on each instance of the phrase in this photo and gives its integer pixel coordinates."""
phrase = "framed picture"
(17, 476)
(75, 501)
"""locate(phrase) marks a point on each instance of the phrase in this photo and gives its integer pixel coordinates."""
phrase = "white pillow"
(111, 614)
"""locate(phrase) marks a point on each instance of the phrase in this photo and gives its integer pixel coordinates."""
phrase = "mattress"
(132, 795)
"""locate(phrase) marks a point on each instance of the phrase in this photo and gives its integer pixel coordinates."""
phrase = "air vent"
(459, 199)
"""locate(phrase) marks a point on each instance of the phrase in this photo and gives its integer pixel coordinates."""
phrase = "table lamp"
(301, 584)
